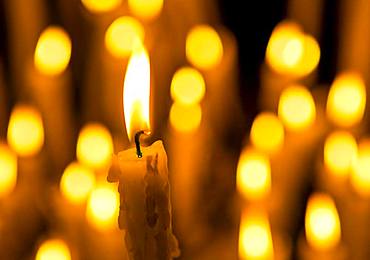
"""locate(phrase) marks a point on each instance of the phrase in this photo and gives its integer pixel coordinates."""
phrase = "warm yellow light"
(346, 100)
(146, 9)
(185, 118)
(322, 223)
(292, 52)
(94, 146)
(121, 35)
(204, 47)
(103, 207)
(253, 175)
(255, 241)
(53, 51)
(136, 91)
(187, 86)
(77, 182)
(360, 175)
(340, 150)
(100, 6)
(296, 108)
(53, 249)
(25, 131)
(267, 132)
(8, 170)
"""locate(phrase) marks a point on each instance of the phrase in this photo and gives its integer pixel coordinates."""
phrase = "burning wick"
(137, 142)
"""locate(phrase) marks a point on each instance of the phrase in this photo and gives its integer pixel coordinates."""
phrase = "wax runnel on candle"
(145, 212)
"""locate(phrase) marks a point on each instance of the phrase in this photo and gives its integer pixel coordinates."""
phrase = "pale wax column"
(354, 37)
(53, 96)
(293, 166)
(145, 212)
(25, 20)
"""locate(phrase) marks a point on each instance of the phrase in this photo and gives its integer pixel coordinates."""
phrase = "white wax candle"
(145, 212)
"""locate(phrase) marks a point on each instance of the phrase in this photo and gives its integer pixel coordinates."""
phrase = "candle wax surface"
(145, 211)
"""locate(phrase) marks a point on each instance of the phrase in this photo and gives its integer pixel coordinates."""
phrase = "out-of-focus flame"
(340, 151)
(8, 170)
(255, 240)
(253, 175)
(77, 182)
(25, 131)
(146, 9)
(360, 175)
(297, 108)
(290, 51)
(103, 207)
(347, 100)
(204, 47)
(100, 6)
(185, 118)
(55, 249)
(121, 35)
(94, 146)
(136, 91)
(267, 132)
(188, 86)
(53, 51)
(322, 224)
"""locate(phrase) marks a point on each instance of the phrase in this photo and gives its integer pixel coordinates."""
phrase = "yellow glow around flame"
(25, 131)
(322, 224)
(53, 51)
(297, 108)
(185, 118)
(136, 91)
(53, 249)
(8, 170)
(77, 182)
(103, 207)
(347, 100)
(340, 150)
(360, 175)
(253, 175)
(255, 240)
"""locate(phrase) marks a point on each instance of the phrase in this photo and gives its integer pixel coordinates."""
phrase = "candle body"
(145, 212)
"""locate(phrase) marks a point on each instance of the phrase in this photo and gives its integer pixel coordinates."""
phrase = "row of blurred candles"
(290, 52)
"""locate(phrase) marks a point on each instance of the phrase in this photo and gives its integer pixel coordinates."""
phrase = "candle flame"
(255, 239)
(136, 93)
(322, 222)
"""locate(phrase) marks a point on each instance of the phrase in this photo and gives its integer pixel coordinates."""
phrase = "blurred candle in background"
(340, 151)
(25, 130)
(8, 169)
(267, 132)
(50, 82)
(103, 207)
(347, 100)
(296, 108)
(360, 174)
(255, 239)
(76, 183)
(322, 230)
(98, 6)
(204, 48)
(55, 249)
(95, 146)
(253, 175)
(146, 9)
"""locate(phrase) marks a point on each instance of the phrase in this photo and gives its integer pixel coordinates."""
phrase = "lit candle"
(255, 239)
(53, 249)
(145, 212)
(322, 230)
